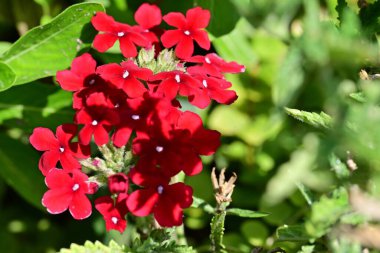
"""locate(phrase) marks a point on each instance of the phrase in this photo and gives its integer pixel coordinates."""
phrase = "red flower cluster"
(134, 105)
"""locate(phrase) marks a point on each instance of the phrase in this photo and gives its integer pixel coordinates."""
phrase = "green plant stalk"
(217, 229)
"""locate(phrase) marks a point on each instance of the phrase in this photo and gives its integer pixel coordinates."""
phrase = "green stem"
(217, 229)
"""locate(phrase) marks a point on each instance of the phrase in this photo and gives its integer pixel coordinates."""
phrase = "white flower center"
(120, 34)
(207, 60)
(117, 106)
(204, 82)
(94, 123)
(187, 32)
(92, 81)
(135, 117)
(159, 149)
(75, 187)
(61, 149)
(177, 78)
(114, 220)
(125, 74)
(160, 189)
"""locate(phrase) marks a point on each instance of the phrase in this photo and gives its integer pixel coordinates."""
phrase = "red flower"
(175, 143)
(215, 88)
(148, 16)
(164, 201)
(81, 75)
(185, 85)
(189, 28)
(113, 211)
(128, 36)
(97, 118)
(125, 77)
(68, 191)
(58, 148)
(214, 65)
(118, 183)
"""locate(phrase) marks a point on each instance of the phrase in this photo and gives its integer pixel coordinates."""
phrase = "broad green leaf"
(321, 120)
(19, 168)
(90, 247)
(4, 45)
(7, 76)
(49, 48)
(224, 15)
(245, 213)
(49, 110)
(295, 233)
(200, 203)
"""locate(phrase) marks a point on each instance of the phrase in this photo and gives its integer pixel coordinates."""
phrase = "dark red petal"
(203, 136)
(200, 99)
(223, 96)
(103, 22)
(57, 200)
(201, 37)
(128, 49)
(181, 193)
(43, 139)
(101, 136)
(192, 164)
(113, 73)
(48, 161)
(185, 48)
(104, 205)
(167, 213)
(198, 18)
(142, 202)
(80, 206)
(169, 88)
(171, 38)
(148, 16)
(66, 132)
(69, 81)
(175, 19)
(103, 42)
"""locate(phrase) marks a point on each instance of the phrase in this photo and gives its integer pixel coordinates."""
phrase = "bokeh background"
(309, 55)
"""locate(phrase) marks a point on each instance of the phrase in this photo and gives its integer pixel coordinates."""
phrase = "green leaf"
(200, 203)
(19, 168)
(90, 247)
(307, 249)
(7, 76)
(289, 78)
(358, 97)
(50, 109)
(295, 233)
(46, 49)
(4, 45)
(220, 10)
(339, 167)
(321, 120)
(245, 213)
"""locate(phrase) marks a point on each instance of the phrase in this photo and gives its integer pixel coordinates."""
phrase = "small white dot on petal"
(187, 32)
(207, 60)
(120, 34)
(61, 149)
(75, 187)
(160, 189)
(94, 122)
(92, 81)
(204, 82)
(159, 149)
(135, 117)
(114, 220)
(125, 74)
(177, 78)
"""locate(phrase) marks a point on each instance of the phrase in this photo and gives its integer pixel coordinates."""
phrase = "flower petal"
(80, 206)
(43, 139)
(148, 16)
(175, 19)
(48, 161)
(103, 42)
(185, 48)
(201, 37)
(198, 18)
(57, 200)
(142, 202)
(167, 213)
(171, 38)
(128, 49)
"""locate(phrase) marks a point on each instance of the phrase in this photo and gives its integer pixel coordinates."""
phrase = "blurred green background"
(298, 166)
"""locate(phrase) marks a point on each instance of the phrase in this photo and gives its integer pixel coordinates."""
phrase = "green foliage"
(245, 213)
(53, 45)
(90, 247)
(321, 120)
